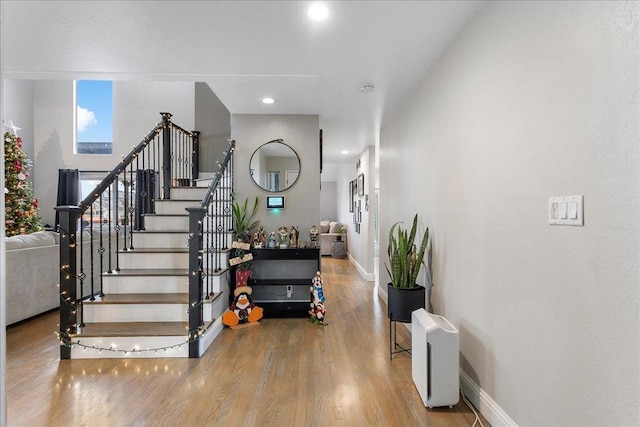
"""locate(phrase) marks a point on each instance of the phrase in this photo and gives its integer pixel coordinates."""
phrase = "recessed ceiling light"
(318, 12)
(345, 151)
(267, 100)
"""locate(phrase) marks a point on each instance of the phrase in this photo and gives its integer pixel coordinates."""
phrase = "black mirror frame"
(276, 141)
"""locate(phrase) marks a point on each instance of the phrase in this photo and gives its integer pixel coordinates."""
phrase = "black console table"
(281, 279)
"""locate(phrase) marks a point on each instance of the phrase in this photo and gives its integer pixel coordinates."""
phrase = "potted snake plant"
(244, 223)
(406, 258)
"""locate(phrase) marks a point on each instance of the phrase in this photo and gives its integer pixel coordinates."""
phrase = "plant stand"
(393, 340)
(401, 303)
(338, 249)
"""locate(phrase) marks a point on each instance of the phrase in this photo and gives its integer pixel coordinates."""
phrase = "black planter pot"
(401, 302)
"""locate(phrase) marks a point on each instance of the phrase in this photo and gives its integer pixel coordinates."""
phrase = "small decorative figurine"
(284, 236)
(243, 309)
(271, 242)
(303, 245)
(262, 236)
(293, 237)
(313, 234)
(256, 240)
(317, 311)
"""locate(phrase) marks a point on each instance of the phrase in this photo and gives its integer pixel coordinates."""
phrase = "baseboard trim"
(210, 335)
(30, 318)
(369, 277)
(382, 294)
(484, 403)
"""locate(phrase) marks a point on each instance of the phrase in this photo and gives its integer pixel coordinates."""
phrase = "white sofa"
(329, 233)
(33, 272)
(32, 275)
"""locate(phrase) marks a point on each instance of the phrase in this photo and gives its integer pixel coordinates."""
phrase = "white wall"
(300, 132)
(328, 201)
(532, 100)
(329, 191)
(213, 121)
(17, 99)
(136, 108)
(330, 171)
(361, 245)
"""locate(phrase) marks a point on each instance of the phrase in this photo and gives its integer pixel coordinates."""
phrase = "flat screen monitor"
(275, 202)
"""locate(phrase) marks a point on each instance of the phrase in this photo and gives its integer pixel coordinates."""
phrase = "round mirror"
(274, 166)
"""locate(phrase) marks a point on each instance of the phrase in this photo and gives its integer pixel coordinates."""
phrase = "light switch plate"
(566, 210)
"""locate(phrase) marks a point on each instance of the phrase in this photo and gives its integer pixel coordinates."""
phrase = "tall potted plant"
(244, 223)
(406, 258)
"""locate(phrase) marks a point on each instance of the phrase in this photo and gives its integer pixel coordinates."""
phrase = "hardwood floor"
(285, 372)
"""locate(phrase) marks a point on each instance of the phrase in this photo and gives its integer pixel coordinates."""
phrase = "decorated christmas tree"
(21, 208)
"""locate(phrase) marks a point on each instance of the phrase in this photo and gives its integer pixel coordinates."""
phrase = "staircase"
(145, 306)
(143, 259)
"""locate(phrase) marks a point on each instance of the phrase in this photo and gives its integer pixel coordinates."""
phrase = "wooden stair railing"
(208, 224)
(166, 157)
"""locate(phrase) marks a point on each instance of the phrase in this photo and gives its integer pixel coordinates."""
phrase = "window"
(93, 117)
(89, 180)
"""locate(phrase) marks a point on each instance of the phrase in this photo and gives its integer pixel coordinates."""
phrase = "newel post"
(196, 216)
(166, 155)
(195, 157)
(69, 216)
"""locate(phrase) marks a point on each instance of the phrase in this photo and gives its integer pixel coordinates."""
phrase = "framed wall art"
(354, 191)
(352, 196)
(361, 185)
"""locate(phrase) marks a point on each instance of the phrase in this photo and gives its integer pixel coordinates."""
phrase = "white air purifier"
(435, 359)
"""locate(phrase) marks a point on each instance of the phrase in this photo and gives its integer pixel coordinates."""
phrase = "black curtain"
(146, 192)
(68, 190)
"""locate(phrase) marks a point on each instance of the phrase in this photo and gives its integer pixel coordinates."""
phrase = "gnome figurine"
(313, 236)
(272, 241)
(293, 237)
(317, 311)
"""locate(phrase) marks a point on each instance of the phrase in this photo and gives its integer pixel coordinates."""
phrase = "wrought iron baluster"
(180, 150)
(207, 252)
(218, 230)
(174, 158)
(91, 260)
(166, 156)
(181, 159)
(131, 207)
(195, 156)
(118, 225)
(101, 247)
(152, 155)
(125, 212)
(109, 223)
(81, 275)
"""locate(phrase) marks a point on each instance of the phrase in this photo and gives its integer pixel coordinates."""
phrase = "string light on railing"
(192, 336)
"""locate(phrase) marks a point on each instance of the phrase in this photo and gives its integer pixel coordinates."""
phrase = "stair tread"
(163, 298)
(178, 215)
(132, 329)
(149, 272)
(185, 186)
(160, 232)
(170, 231)
(156, 272)
(194, 201)
(156, 250)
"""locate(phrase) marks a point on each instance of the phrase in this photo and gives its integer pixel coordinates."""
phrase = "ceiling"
(245, 50)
